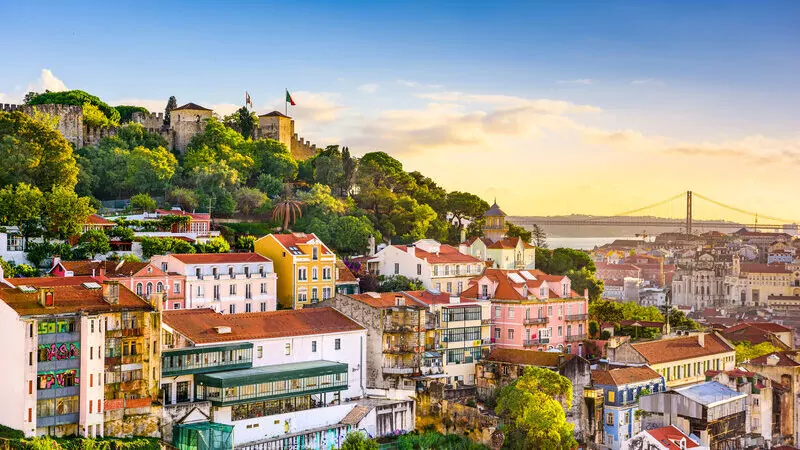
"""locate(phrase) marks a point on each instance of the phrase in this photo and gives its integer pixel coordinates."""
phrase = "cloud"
(368, 88)
(546, 106)
(414, 84)
(46, 82)
(577, 81)
(314, 107)
(648, 81)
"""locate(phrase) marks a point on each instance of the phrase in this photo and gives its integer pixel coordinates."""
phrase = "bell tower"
(494, 223)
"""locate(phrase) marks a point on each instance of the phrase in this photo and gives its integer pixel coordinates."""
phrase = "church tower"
(494, 223)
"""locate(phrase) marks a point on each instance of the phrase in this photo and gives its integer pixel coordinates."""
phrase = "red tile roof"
(384, 300)
(669, 435)
(624, 375)
(507, 289)
(447, 254)
(70, 297)
(675, 349)
(297, 239)
(784, 359)
(756, 333)
(344, 275)
(509, 243)
(178, 212)
(94, 219)
(111, 268)
(192, 107)
(220, 258)
(198, 325)
(764, 268)
(528, 357)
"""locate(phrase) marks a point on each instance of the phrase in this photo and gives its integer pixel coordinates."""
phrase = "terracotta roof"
(675, 349)
(274, 114)
(179, 212)
(494, 211)
(528, 357)
(784, 359)
(756, 333)
(624, 375)
(622, 266)
(344, 275)
(355, 415)
(447, 254)
(94, 219)
(669, 436)
(70, 297)
(220, 258)
(509, 243)
(383, 300)
(640, 323)
(191, 106)
(197, 325)
(764, 268)
(297, 239)
(111, 268)
(507, 289)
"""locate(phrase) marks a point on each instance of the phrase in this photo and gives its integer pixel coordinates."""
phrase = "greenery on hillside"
(110, 116)
(575, 264)
(745, 351)
(608, 311)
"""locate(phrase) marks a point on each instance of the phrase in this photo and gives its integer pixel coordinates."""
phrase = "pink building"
(533, 310)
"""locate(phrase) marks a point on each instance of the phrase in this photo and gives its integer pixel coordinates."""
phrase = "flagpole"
(285, 102)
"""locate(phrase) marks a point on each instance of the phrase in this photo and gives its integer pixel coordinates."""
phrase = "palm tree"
(288, 209)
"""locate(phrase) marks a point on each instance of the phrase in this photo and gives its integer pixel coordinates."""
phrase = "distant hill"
(621, 230)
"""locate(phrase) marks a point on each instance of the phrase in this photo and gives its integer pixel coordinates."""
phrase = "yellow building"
(305, 267)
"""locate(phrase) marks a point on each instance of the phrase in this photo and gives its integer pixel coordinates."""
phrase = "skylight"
(516, 278)
(527, 275)
(26, 289)
(295, 251)
(91, 285)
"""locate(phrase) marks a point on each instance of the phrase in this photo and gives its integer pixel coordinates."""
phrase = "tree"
(34, 153)
(532, 411)
(348, 171)
(172, 103)
(397, 283)
(516, 231)
(584, 279)
(65, 212)
(143, 202)
(161, 246)
(269, 184)
(349, 235)
(356, 440)
(319, 196)
(185, 198)
(77, 98)
(329, 170)
(243, 121)
(20, 204)
(126, 112)
(249, 199)
(150, 169)
(214, 245)
(95, 242)
(287, 210)
(538, 236)
(246, 242)
(93, 117)
(745, 351)
(463, 205)
(593, 329)
(122, 233)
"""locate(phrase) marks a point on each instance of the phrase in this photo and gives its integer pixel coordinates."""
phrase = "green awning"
(205, 349)
(280, 372)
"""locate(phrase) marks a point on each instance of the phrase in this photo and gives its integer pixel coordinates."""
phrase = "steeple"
(494, 223)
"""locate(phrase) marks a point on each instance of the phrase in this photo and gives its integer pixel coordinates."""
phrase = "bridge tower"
(688, 212)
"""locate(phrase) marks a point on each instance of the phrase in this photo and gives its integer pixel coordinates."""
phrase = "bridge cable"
(682, 194)
(749, 213)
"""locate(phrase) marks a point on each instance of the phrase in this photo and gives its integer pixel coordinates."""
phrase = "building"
(225, 282)
(622, 388)
(505, 253)
(533, 310)
(254, 372)
(504, 365)
(606, 271)
(494, 223)
(12, 245)
(653, 270)
(679, 359)
(703, 283)
(783, 369)
(752, 284)
(95, 222)
(709, 410)
(305, 267)
(83, 357)
(346, 282)
(143, 278)
(664, 438)
(758, 332)
(760, 411)
(439, 267)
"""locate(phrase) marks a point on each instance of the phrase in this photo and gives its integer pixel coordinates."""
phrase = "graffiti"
(61, 326)
(58, 352)
(58, 379)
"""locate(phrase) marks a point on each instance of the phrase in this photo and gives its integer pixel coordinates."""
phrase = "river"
(582, 243)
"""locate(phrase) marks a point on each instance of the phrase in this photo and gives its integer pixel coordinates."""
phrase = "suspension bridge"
(679, 212)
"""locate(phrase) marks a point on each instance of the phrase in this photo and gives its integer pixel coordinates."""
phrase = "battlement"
(301, 148)
(148, 120)
(7, 107)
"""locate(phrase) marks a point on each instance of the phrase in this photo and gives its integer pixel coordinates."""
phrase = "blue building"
(621, 390)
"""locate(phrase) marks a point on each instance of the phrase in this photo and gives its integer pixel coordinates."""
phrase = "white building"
(440, 267)
(255, 372)
(12, 246)
(225, 282)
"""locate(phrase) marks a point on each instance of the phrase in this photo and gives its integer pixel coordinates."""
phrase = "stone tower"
(494, 226)
(277, 126)
(187, 121)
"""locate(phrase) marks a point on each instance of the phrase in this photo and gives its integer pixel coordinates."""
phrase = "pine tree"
(172, 103)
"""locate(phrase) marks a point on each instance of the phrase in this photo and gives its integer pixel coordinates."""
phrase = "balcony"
(399, 327)
(124, 332)
(576, 337)
(576, 317)
(486, 321)
(536, 320)
(535, 342)
(403, 349)
(399, 369)
(131, 359)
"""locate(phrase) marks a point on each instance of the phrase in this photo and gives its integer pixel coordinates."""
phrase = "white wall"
(16, 373)
(91, 373)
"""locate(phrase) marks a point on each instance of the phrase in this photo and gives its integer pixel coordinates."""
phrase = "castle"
(185, 122)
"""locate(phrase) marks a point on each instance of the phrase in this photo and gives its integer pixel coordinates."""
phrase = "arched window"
(149, 288)
(139, 289)
(159, 287)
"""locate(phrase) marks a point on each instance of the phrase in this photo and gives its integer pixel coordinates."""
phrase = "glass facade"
(463, 355)
(462, 334)
(459, 314)
(195, 360)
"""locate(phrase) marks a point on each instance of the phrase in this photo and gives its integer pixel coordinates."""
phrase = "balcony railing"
(576, 337)
(399, 369)
(536, 320)
(403, 349)
(571, 317)
(486, 321)
(535, 342)
(399, 328)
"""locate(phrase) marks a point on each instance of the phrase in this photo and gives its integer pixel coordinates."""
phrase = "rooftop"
(764, 268)
(191, 107)
(494, 211)
(344, 275)
(528, 357)
(274, 114)
(277, 372)
(220, 258)
(70, 297)
(624, 375)
(670, 437)
(446, 254)
(110, 268)
(385, 300)
(710, 393)
(202, 326)
(180, 212)
(675, 349)
(783, 359)
(94, 219)
(294, 242)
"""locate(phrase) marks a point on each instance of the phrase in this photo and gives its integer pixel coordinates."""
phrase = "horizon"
(553, 109)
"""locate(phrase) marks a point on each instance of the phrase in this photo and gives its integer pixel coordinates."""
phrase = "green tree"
(143, 202)
(185, 198)
(246, 242)
(356, 440)
(65, 212)
(520, 232)
(319, 196)
(287, 210)
(532, 411)
(214, 245)
(20, 204)
(584, 279)
(538, 236)
(77, 98)
(463, 205)
(172, 103)
(122, 233)
(249, 199)
(93, 117)
(269, 184)
(349, 235)
(329, 170)
(271, 157)
(34, 153)
(349, 165)
(126, 112)
(397, 283)
(745, 351)
(95, 242)
(162, 246)
(243, 121)
(150, 169)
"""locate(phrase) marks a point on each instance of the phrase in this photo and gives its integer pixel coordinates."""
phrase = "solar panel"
(527, 275)
(91, 285)
(26, 289)
(295, 251)
(516, 278)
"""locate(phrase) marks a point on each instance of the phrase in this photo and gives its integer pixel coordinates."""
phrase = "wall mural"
(58, 379)
(61, 326)
(60, 351)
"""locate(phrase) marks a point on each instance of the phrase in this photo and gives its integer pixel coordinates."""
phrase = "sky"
(549, 107)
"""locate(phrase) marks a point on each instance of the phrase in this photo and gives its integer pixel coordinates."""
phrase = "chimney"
(701, 339)
(411, 249)
(222, 329)
(111, 292)
(45, 297)
(56, 260)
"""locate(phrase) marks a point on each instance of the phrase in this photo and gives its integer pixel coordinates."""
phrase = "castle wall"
(70, 118)
(152, 120)
(302, 149)
(185, 124)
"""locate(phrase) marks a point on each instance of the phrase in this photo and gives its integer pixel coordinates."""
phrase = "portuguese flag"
(289, 98)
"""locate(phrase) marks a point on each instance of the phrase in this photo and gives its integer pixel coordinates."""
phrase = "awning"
(279, 372)
(433, 355)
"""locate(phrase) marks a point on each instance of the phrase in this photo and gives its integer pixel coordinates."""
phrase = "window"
(149, 289)
(139, 289)
(439, 287)
(302, 297)
(419, 269)
(232, 289)
(337, 344)
(260, 352)
(263, 288)
(159, 287)
(460, 287)
(177, 288)
(216, 292)
(326, 273)
(609, 419)
(396, 268)
(510, 334)
(247, 271)
(315, 253)
(314, 296)
(313, 346)
(436, 270)
(197, 273)
(559, 331)
(261, 270)
(91, 325)
(497, 333)
(485, 291)
(200, 291)
(302, 274)
(326, 293)
(497, 312)
(215, 272)
(232, 309)
(230, 272)
(627, 418)
(263, 306)
(248, 307)
(510, 313)
(449, 287)
(248, 291)
(176, 306)
(287, 348)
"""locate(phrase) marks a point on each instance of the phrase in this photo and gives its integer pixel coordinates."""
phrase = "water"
(582, 243)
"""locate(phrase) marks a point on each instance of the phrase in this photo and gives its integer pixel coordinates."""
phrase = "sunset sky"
(553, 108)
